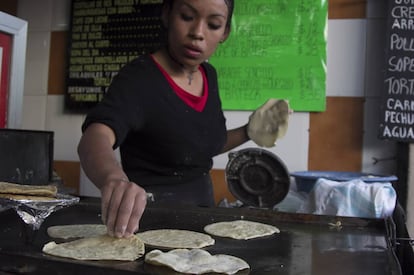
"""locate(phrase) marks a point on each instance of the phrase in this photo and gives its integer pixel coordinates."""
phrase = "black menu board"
(105, 35)
(397, 122)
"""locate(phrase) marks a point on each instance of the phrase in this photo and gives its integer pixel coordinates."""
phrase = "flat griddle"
(307, 244)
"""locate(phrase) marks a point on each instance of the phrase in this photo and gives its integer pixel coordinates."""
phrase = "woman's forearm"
(97, 157)
(235, 137)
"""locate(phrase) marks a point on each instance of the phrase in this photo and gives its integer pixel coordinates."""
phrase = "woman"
(164, 112)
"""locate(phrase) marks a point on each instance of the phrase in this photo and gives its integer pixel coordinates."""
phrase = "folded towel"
(354, 198)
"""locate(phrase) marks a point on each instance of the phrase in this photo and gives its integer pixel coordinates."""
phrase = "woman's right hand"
(123, 203)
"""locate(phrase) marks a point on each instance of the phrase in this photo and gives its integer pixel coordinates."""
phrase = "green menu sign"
(276, 49)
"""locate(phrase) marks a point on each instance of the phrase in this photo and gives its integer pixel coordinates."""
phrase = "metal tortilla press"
(257, 177)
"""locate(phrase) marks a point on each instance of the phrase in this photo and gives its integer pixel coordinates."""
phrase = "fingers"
(136, 214)
(123, 204)
(113, 208)
(105, 199)
(130, 211)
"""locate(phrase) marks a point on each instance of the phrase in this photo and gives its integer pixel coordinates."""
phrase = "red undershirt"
(196, 102)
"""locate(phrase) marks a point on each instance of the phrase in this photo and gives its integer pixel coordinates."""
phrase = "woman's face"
(195, 28)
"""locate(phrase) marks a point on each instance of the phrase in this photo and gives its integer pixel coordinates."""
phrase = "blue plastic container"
(305, 180)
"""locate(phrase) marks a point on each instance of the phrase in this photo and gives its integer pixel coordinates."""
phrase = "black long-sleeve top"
(165, 144)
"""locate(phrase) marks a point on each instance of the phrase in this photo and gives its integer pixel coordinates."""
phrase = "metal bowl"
(257, 177)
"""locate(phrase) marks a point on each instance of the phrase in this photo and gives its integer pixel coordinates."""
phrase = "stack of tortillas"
(27, 192)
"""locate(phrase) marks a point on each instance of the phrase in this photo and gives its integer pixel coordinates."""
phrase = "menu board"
(105, 35)
(276, 49)
(397, 122)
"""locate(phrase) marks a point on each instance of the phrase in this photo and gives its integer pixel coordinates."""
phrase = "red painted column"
(5, 58)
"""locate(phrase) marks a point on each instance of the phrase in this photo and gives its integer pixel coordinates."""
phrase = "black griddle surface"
(307, 244)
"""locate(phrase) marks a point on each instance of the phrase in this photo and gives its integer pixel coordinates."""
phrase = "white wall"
(355, 56)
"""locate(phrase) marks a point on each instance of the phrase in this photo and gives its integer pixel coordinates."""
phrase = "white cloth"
(353, 198)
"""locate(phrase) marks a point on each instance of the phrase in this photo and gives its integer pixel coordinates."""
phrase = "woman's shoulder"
(140, 62)
(138, 69)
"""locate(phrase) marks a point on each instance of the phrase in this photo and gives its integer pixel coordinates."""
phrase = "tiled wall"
(342, 138)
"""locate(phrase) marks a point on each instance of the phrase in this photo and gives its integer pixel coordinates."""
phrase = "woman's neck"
(175, 64)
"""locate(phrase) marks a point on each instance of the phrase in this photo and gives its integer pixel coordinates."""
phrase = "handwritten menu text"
(398, 102)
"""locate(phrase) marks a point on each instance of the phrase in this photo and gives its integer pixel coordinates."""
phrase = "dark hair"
(229, 3)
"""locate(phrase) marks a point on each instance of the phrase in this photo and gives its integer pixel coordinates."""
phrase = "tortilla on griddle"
(241, 229)
(196, 261)
(71, 231)
(175, 238)
(102, 247)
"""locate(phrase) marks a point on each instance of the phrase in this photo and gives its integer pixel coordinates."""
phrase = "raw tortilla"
(269, 122)
(76, 231)
(103, 247)
(30, 190)
(196, 261)
(175, 238)
(241, 229)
